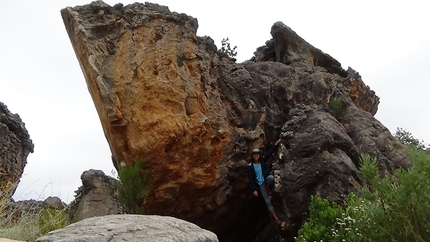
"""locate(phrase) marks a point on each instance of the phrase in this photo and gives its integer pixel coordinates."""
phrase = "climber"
(260, 180)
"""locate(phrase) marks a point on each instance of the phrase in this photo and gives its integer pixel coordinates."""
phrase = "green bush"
(405, 137)
(391, 208)
(322, 217)
(51, 219)
(338, 106)
(133, 187)
(400, 203)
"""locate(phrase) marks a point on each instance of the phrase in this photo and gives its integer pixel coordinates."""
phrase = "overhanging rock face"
(151, 84)
(165, 95)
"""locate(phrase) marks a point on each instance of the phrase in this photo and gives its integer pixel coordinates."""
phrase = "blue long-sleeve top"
(253, 184)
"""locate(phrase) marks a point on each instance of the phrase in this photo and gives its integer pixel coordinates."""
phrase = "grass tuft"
(28, 220)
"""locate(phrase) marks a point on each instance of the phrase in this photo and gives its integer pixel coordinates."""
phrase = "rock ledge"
(130, 228)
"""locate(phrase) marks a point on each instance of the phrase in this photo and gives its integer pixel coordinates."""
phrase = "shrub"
(51, 219)
(133, 187)
(391, 208)
(226, 49)
(398, 205)
(338, 106)
(322, 217)
(406, 138)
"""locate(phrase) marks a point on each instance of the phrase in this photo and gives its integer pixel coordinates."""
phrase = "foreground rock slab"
(9, 240)
(130, 228)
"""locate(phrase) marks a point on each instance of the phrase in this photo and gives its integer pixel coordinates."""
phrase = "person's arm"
(272, 150)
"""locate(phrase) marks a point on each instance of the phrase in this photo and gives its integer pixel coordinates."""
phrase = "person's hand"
(277, 142)
(255, 193)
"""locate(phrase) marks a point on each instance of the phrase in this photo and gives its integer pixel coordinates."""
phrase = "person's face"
(255, 156)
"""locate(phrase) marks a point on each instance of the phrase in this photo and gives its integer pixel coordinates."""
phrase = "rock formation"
(130, 228)
(96, 197)
(166, 95)
(34, 206)
(21, 219)
(15, 146)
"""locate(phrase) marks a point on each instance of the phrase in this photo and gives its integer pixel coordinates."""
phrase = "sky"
(387, 42)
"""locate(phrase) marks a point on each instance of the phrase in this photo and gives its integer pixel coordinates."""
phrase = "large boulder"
(166, 95)
(113, 228)
(15, 146)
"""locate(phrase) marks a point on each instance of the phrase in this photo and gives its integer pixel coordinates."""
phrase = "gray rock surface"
(114, 228)
(31, 207)
(322, 155)
(96, 197)
(54, 203)
(15, 146)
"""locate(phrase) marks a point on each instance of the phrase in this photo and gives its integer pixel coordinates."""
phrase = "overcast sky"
(387, 42)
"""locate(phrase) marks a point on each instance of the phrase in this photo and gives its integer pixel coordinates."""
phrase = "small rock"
(54, 202)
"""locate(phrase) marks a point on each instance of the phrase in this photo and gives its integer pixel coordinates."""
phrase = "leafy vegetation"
(338, 106)
(226, 49)
(133, 186)
(407, 139)
(391, 208)
(322, 217)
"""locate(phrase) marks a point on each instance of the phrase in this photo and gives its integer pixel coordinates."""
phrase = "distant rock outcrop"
(15, 146)
(130, 228)
(164, 94)
(20, 211)
(96, 197)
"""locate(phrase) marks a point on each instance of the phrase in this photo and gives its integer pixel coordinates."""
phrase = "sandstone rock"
(287, 47)
(175, 126)
(96, 197)
(164, 94)
(113, 228)
(15, 145)
(9, 240)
